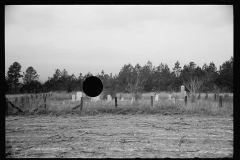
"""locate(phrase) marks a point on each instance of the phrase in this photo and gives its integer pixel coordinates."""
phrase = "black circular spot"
(92, 86)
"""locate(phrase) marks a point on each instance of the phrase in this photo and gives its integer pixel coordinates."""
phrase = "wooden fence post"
(81, 107)
(185, 100)
(199, 96)
(206, 97)
(220, 101)
(45, 102)
(115, 102)
(151, 101)
(22, 100)
(215, 97)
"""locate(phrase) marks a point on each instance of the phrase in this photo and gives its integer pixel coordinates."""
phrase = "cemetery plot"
(119, 136)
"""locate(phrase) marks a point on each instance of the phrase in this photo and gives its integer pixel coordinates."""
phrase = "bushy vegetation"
(129, 80)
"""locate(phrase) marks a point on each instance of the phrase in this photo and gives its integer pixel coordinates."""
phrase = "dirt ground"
(119, 136)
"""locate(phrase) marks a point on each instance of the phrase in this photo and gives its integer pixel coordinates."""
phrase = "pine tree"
(30, 75)
(177, 69)
(13, 76)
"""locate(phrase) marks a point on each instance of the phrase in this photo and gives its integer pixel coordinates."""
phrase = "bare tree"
(216, 90)
(135, 87)
(194, 85)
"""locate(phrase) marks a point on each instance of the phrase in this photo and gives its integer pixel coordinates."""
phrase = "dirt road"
(119, 136)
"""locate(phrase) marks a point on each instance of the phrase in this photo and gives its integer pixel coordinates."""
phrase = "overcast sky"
(89, 38)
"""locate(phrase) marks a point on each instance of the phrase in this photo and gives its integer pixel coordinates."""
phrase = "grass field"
(132, 130)
(61, 103)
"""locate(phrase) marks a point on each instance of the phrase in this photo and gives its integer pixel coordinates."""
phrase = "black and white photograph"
(119, 81)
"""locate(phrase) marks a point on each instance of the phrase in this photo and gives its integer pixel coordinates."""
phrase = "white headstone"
(122, 99)
(182, 88)
(156, 98)
(73, 98)
(169, 96)
(95, 98)
(109, 98)
(79, 95)
(63, 103)
(182, 91)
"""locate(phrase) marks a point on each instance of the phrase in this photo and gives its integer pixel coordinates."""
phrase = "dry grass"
(61, 103)
(118, 136)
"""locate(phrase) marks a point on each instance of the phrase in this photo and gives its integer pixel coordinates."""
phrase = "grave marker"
(156, 98)
(109, 98)
(73, 98)
(182, 91)
(79, 95)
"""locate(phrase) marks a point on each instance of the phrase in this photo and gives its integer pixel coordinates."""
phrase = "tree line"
(147, 78)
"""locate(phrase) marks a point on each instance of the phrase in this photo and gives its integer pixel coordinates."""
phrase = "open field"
(119, 136)
(166, 129)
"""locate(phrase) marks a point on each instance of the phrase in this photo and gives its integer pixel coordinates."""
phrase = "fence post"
(151, 101)
(22, 100)
(185, 100)
(199, 96)
(115, 102)
(206, 97)
(81, 107)
(215, 97)
(220, 101)
(45, 101)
